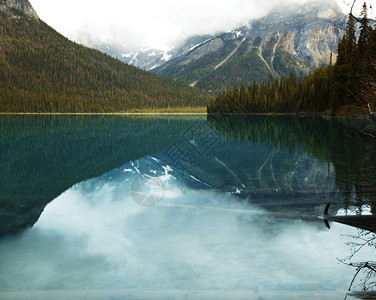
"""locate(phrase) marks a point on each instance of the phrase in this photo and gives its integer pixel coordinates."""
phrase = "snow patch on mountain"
(200, 44)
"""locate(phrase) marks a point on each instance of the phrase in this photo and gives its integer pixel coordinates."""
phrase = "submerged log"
(367, 222)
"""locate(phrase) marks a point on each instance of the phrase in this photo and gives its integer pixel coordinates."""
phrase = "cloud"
(157, 23)
(149, 22)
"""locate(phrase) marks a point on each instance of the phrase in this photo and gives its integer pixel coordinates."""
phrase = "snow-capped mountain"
(296, 39)
(146, 58)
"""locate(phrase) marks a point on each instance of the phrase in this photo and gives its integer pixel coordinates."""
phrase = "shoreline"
(102, 114)
(301, 114)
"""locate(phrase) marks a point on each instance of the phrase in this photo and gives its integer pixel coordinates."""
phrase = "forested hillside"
(41, 71)
(350, 82)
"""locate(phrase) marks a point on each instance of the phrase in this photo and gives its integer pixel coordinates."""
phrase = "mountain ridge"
(296, 38)
(271, 47)
(22, 6)
(42, 71)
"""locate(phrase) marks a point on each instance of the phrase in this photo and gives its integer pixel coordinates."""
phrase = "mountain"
(146, 58)
(296, 38)
(42, 71)
(9, 6)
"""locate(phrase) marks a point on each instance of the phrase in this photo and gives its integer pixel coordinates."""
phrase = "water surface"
(177, 207)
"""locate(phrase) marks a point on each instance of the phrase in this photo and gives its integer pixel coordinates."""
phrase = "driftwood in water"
(367, 222)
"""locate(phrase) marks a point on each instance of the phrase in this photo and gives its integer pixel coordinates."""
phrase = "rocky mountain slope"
(296, 38)
(23, 6)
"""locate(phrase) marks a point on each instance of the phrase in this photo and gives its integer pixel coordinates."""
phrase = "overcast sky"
(157, 23)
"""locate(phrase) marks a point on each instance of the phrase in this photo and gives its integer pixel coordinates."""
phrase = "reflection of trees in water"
(352, 154)
(42, 156)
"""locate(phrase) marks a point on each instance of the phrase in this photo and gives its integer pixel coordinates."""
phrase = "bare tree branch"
(352, 7)
(368, 268)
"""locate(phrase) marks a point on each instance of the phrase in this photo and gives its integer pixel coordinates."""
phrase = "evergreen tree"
(350, 40)
(344, 80)
(367, 42)
(364, 35)
(350, 82)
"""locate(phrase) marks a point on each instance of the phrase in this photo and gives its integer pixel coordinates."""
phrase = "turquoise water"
(180, 207)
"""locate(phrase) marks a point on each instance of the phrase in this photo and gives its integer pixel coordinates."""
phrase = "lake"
(183, 207)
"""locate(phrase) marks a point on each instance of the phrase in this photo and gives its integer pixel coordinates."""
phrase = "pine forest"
(348, 85)
(42, 71)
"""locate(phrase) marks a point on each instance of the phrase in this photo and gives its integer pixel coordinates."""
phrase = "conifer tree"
(347, 47)
(351, 81)
(364, 34)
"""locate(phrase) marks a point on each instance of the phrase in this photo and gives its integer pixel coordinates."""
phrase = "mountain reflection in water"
(179, 207)
(95, 236)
